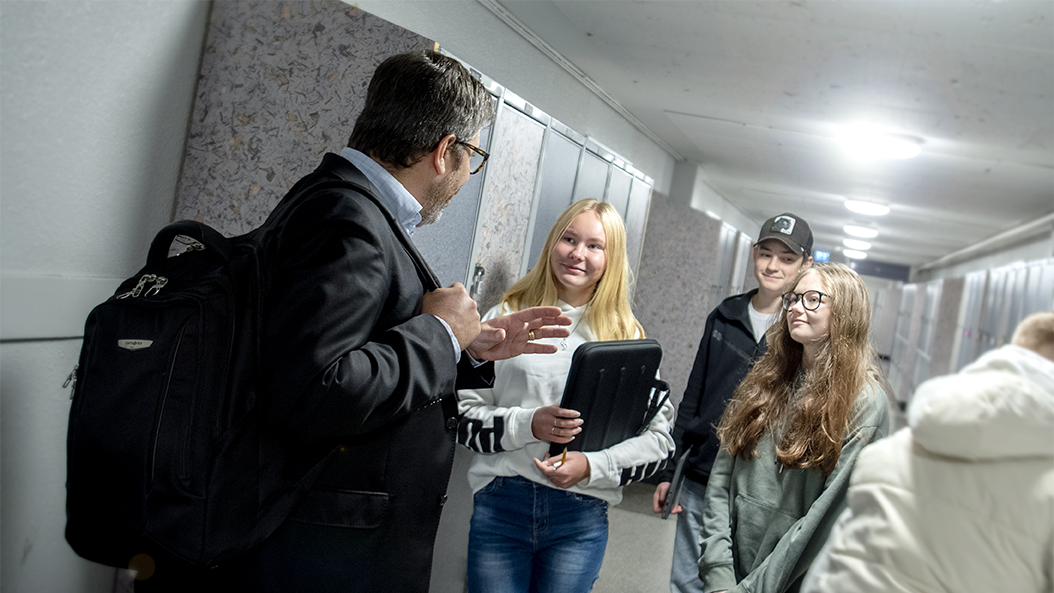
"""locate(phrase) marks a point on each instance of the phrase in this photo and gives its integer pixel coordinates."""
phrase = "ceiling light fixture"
(868, 142)
(856, 244)
(860, 231)
(854, 254)
(868, 208)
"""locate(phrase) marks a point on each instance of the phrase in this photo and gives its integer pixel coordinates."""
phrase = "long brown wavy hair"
(808, 419)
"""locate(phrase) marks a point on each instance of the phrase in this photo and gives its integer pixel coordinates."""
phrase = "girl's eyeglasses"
(810, 299)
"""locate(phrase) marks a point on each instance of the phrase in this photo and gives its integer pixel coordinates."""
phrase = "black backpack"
(167, 451)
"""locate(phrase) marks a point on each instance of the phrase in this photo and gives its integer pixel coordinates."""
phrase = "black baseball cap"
(789, 228)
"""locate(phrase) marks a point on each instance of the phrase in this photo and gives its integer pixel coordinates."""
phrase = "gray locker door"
(927, 331)
(726, 252)
(618, 190)
(970, 330)
(592, 178)
(883, 323)
(636, 221)
(901, 358)
(743, 265)
(558, 171)
(1017, 301)
(1039, 295)
(993, 318)
(447, 245)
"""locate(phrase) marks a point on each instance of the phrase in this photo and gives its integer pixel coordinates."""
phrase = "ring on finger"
(530, 335)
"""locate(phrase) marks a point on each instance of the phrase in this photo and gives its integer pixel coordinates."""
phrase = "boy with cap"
(734, 338)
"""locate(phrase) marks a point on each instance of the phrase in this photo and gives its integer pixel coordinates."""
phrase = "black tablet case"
(673, 495)
(614, 386)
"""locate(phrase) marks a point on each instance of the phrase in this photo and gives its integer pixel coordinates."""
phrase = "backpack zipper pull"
(71, 380)
(160, 282)
(139, 286)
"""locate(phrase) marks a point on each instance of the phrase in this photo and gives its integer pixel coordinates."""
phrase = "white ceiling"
(756, 91)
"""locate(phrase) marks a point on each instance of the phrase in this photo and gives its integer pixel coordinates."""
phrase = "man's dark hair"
(414, 100)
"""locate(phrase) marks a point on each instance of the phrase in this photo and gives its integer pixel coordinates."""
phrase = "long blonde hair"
(808, 420)
(609, 313)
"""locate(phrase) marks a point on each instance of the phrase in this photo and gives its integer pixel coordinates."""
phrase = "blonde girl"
(539, 525)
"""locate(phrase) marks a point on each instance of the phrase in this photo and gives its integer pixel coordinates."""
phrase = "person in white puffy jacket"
(963, 498)
(539, 524)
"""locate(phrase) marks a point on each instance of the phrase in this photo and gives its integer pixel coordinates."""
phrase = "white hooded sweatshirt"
(963, 499)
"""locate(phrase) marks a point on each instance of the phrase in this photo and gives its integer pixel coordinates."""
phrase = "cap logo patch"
(783, 224)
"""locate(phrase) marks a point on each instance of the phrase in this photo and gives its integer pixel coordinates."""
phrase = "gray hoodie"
(763, 524)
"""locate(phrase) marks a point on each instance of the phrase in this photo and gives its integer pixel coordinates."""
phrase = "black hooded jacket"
(726, 353)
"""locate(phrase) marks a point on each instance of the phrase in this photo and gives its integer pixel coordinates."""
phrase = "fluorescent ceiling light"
(854, 254)
(868, 208)
(856, 244)
(860, 231)
(868, 142)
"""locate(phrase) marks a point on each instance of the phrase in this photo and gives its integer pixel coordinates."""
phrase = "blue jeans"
(684, 575)
(530, 538)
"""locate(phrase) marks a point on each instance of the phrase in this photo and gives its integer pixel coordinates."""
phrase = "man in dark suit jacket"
(363, 349)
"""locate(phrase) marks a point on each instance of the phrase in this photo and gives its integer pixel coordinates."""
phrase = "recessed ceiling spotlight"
(854, 254)
(868, 142)
(868, 208)
(860, 231)
(856, 244)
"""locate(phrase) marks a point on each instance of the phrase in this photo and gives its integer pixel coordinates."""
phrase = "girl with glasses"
(790, 436)
(539, 523)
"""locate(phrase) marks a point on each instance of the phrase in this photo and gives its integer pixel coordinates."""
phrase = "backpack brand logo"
(134, 344)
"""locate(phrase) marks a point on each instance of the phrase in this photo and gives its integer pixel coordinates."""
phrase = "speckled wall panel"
(280, 84)
(946, 326)
(506, 208)
(673, 296)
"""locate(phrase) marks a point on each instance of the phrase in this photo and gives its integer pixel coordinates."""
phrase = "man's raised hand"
(514, 334)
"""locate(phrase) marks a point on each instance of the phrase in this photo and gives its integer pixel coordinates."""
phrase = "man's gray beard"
(439, 197)
(432, 218)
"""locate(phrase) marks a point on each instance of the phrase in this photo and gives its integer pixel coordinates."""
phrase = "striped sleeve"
(637, 458)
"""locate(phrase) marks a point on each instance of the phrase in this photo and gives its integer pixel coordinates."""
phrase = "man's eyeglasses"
(810, 299)
(476, 159)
